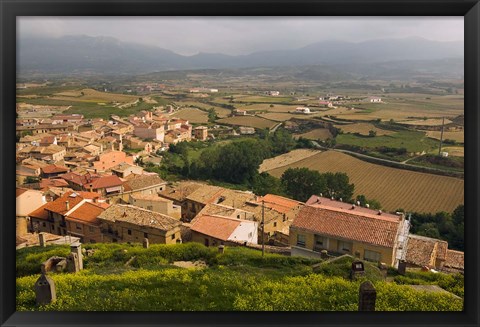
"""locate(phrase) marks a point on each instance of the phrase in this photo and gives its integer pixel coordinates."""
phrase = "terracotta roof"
(455, 259)
(329, 203)
(87, 213)
(279, 203)
(104, 181)
(421, 251)
(59, 205)
(140, 217)
(19, 191)
(32, 238)
(215, 226)
(341, 224)
(52, 169)
(142, 181)
(55, 182)
(150, 197)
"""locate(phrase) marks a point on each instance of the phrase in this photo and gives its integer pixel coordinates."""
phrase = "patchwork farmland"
(251, 121)
(393, 188)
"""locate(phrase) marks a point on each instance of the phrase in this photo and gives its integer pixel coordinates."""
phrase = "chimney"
(67, 204)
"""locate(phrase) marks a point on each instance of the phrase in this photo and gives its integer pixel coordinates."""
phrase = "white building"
(302, 110)
(375, 99)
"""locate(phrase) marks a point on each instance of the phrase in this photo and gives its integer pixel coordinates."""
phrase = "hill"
(80, 54)
(126, 277)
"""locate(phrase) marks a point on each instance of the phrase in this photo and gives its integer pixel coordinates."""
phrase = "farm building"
(326, 104)
(247, 130)
(200, 133)
(342, 228)
(302, 110)
(375, 99)
(238, 112)
(273, 93)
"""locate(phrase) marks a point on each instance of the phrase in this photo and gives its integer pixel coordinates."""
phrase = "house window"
(77, 226)
(91, 229)
(344, 246)
(372, 256)
(301, 240)
(250, 235)
(320, 243)
(173, 236)
(44, 224)
(145, 235)
(129, 232)
(275, 224)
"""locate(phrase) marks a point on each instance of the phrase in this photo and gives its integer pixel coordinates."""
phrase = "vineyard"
(393, 188)
(238, 280)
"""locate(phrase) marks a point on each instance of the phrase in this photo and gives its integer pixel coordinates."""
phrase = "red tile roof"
(59, 205)
(51, 169)
(215, 226)
(104, 181)
(19, 191)
(86, 213)
(338, 223)
(279, 203)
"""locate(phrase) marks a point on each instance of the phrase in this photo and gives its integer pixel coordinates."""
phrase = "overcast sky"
(242, 35)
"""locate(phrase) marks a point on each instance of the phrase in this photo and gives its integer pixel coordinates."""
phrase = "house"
(246, 130)
(51, 152)
(207, 194)
(302, 110)
(184, 133)
(47, 140)
(149, 131)
(375, 99)
(109, 185)
(26, 201)
(123, 169)
(82, 222)
(50, 217)
(342, 228)
(425, 252)
(63, 118)
(454, 261)
(53, 171)
(110, 159)
(326, 104)
(238, 112)
(178, 193)
(218, 230)
(127, 223)
(273, 93)
(155, 203)
(200, 133)
(133, 184)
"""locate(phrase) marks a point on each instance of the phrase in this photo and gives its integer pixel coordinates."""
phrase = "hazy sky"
(242, 35)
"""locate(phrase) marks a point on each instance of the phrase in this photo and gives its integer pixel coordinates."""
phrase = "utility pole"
(263, 228)
(441, 137)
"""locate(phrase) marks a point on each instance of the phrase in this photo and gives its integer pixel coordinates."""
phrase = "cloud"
(242, 35)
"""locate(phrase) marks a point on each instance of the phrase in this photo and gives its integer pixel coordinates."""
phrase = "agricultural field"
(455, 151)
(363, 129)
(316, 134)
(221, 112)
(286, 159)
(264, 99)
(192, 115)
(278, 108)
(456, 136)
(277, 116)
(250, 121)
(393, 188)
(425, 122)
(413, 141)
(90, 95)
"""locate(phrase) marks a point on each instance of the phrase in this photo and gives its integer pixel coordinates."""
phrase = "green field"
(238, 280)
(413, 141)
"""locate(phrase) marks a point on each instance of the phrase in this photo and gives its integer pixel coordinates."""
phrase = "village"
(78, 180)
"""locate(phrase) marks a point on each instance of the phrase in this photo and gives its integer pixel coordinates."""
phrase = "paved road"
(275, 128)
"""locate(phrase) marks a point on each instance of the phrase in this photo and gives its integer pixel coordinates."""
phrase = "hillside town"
(78, 181)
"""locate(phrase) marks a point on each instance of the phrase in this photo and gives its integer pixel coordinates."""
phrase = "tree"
(302, 183)
(282, 141)
(337, 185)
(265, 183)
(212, 115)
(372, 133)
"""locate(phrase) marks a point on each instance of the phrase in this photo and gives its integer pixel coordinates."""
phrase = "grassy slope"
(239, 279)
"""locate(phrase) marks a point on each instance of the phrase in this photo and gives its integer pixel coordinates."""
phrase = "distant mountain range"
(106, 55)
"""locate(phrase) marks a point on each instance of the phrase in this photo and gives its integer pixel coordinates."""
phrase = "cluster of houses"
(145, 207)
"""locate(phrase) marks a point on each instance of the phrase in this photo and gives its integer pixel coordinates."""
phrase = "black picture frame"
(10, 9)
